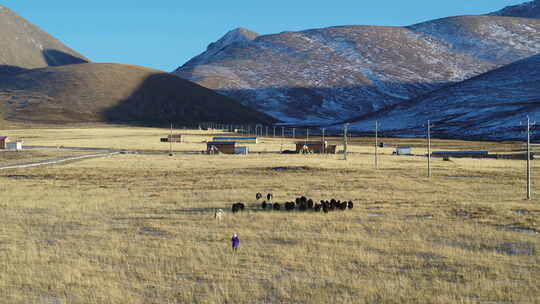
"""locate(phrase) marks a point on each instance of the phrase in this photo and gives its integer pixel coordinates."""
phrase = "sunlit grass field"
(140, 228)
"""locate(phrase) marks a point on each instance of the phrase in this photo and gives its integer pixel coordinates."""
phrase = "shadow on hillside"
(52, 57)
(326, 102)
(58, 58)
(164, 98)
(9, 69)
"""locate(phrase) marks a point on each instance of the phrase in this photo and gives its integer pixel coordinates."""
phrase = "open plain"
(140, 228)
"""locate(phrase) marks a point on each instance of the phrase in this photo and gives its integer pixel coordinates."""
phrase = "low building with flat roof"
(216, 147)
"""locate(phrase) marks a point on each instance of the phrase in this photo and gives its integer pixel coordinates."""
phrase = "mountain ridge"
(335, 73)
(26, 46)
(528, 10)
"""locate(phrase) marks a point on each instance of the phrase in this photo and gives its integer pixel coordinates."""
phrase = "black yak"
(237, 207)
(289, 206)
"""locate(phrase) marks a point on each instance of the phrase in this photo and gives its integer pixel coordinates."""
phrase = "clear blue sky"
(163, 34)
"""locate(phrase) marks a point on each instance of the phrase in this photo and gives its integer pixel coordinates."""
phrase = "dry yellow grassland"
(140, 228)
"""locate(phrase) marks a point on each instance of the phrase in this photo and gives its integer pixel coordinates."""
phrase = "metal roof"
(221, 143)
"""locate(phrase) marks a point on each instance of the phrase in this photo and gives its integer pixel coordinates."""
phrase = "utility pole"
(429, 148)
(529, 189)
(281, 141)
(170, 141)
(274, 131)
(376, 145)
(324, 143)
(345, 126)
(307, 135)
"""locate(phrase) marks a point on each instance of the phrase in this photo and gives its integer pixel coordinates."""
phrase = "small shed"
(241, 150)
(225, 147)
(312, 146)
(174, 138)
(331, 149)
(461, 154)
(14, 146)
(3, 141)
(403, 150)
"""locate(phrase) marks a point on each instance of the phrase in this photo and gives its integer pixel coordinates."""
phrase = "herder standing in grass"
(235, 242)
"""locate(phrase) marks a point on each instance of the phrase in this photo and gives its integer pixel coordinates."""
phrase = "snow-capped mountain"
(528, 10)
(25, 46)
(329, 74)
(489, 106)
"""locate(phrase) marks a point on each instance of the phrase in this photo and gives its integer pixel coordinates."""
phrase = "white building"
(14, 146)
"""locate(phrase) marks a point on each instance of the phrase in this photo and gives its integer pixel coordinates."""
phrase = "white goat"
(218, 214)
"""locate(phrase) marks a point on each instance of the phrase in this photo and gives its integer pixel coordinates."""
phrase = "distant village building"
(14, 146)
(3, 141)
(461, 154)
(241, 150)
(174, 138)
(403, 150)
(216, 147)
(315, 147)
(238, 139)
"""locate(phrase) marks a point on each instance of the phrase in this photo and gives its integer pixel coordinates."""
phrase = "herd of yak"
(300, 203)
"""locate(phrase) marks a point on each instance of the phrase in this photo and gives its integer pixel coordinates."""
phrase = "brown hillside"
(25, 46)
(107, 92)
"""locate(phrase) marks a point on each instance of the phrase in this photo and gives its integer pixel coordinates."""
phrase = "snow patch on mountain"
(489, 106)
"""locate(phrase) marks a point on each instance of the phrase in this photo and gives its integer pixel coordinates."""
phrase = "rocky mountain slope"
(335, 73)
(489, 106)
(528, 10)
(106, 92)
(25, 46)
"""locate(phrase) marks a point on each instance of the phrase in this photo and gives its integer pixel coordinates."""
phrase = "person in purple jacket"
(235, 242)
